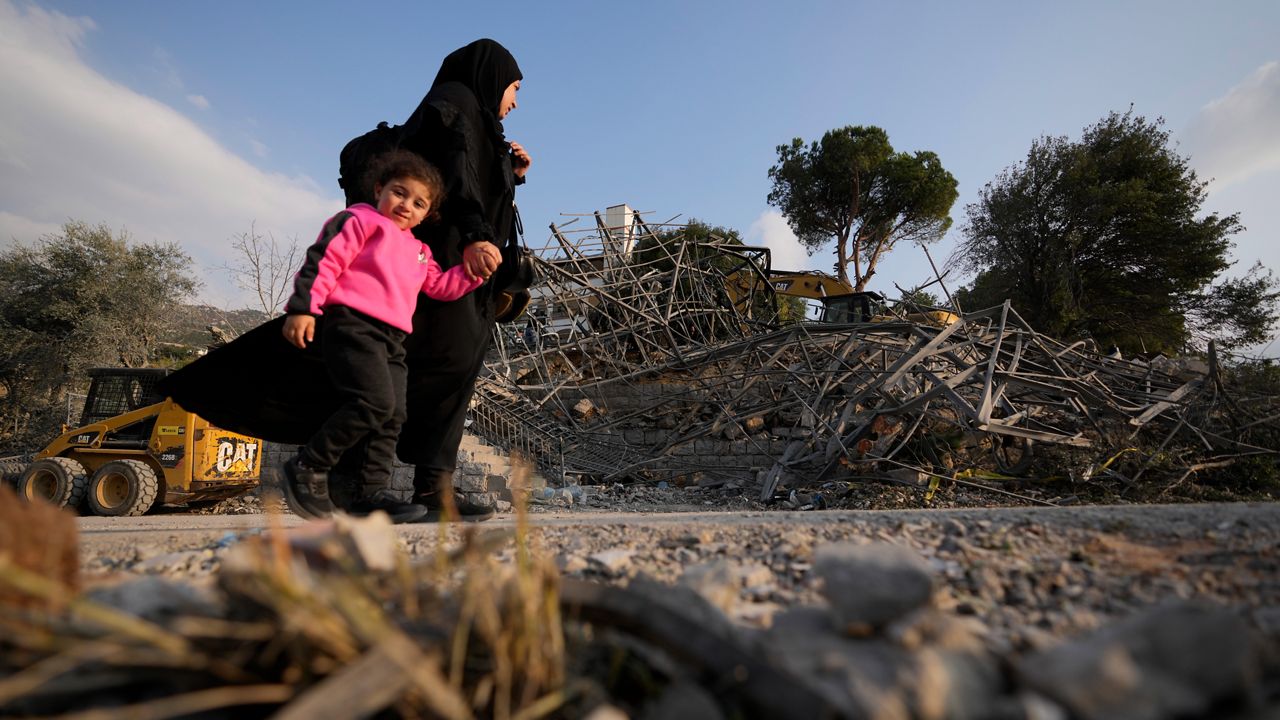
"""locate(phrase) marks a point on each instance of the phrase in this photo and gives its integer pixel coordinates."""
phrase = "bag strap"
(518, 225)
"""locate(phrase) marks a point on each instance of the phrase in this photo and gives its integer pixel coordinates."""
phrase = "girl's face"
(405, 201)
(508, 100)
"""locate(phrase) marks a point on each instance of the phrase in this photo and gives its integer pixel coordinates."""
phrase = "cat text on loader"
(136, 449)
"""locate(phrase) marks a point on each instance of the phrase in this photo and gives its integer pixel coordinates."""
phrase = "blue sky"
(190, 122)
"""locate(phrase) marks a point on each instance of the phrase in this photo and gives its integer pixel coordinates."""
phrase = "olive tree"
(852, 188)
(80, 298)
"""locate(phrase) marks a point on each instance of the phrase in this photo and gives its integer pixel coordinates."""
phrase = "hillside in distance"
(191, 323)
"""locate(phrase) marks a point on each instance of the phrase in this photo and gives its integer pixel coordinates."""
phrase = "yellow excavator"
(841, 304)
(135, 449)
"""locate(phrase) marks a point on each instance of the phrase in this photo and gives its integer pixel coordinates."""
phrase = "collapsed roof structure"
(647, 353)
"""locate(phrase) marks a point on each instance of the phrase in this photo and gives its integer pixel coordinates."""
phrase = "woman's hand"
(300, 330)
(480, 259)
(520, 159)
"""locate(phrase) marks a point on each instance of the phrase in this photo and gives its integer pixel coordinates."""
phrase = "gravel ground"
(1031, 574)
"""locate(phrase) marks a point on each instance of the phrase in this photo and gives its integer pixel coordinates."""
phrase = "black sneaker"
(399, 512)
(344, 488)
(306, 490)
(467, 511)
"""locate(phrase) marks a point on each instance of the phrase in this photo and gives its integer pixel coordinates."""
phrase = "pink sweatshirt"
(363, 261)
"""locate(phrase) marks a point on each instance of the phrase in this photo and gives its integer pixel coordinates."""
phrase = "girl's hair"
(396, 164)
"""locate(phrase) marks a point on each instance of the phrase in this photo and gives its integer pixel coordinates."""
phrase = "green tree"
(716, 272)
(1104, 238)
(1236, 312)
(76, 300)
(919, 298)
(661, 249)
(738, 273)
(851, 187)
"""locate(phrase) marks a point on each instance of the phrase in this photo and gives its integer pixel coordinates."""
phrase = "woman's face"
(508, 100)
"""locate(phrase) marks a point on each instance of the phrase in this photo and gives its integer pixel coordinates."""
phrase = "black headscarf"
(456, 128)
(485, 67)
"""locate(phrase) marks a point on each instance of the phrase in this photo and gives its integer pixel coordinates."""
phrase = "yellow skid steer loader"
(136, 449)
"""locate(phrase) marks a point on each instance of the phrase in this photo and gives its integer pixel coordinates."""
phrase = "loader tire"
(123, 488)
(57, 480)
(11, 473)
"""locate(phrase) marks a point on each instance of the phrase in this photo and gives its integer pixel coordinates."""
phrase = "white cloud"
(786, 252)
(199, 101)
(16, 228)
(74, 144)
(165, 68)
(62, 34)
(1234, 137)
(1234, 141)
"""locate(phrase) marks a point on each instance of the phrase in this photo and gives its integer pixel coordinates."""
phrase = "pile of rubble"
(647, 355)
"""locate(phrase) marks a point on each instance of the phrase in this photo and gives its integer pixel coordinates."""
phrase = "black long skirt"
(260, 385)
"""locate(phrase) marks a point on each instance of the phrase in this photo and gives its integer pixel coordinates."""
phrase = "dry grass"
(308, 631)
(40, 539)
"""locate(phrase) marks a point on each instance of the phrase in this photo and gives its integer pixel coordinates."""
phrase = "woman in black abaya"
(262, 386)
(458, 128)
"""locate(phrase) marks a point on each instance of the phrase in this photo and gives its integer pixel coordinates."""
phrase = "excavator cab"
(135, 449)
(858, 307)
(838, 302)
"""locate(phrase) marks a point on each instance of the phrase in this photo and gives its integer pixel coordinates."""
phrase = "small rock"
(755, 575)
(683, 701)
(682, 541)
(1034, 706)
(606, 712)
(584, 409)
(955, 685)
(614, 562)
(571, 564)
(164, 563)
(368, 543)
(1173, 661)
(864, 678)
(156, 599)
(716, 581)
(870, 585)
(909, 476)
(943, 631)
(374, 539)
(757, 614)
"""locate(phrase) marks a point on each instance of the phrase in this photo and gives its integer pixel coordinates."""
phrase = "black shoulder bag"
(515, 275)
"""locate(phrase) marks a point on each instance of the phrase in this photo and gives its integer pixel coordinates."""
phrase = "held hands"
(300, 330)
(480, 259)
(520, 159)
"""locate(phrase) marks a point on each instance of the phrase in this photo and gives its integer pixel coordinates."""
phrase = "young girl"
(355, 296)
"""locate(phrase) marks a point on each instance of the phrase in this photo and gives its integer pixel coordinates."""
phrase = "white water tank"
(620, 222)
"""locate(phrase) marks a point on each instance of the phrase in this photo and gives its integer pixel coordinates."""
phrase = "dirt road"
(1032, 574)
